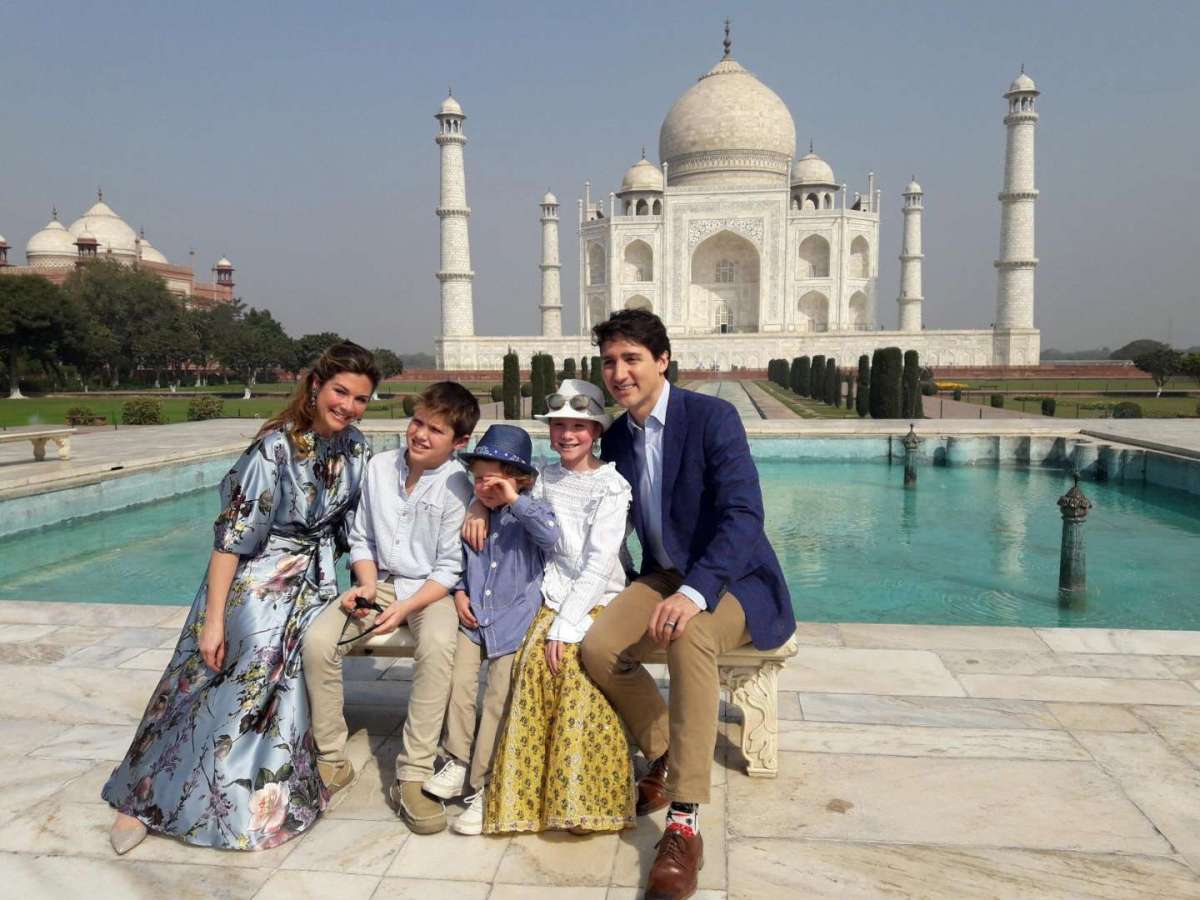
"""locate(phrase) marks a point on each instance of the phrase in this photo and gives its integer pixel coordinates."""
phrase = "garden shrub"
(928, 388)
(204, 407)
(816, 374)
(1048, 406)
(82, 415)
(886, 370)
(142, 411)
(1127, 409)
(997, 401)
(537, 385)
(409, 404)
(673, 371)
(957, 394)
(526, 389)
(831, 382)
(497, 393)
(910, 384)
(800, 376)
(568, 369)
(863, 388)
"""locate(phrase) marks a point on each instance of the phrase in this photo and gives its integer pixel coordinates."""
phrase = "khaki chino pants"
(460, 720)
(612, 653)
(434, 629)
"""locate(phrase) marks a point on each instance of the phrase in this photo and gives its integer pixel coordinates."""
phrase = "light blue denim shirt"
(648, 451)
(504, 580)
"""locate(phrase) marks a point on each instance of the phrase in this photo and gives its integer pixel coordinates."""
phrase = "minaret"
(551, 285)
(455, 275)
(1017, 262)
(910, 259)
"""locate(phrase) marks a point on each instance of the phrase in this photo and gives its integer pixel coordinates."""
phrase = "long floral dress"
(227, 759)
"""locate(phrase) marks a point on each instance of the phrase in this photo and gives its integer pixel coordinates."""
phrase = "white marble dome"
(151, 254)
(812, 169)
(53, 246)
(642, 176)
(727, 127)
(913, 188)
(549, 199)
(450, 107)
(224, 263)
(110, 230)
(1023, 84)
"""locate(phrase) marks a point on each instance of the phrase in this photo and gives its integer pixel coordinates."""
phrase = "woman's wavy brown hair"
(296, 418)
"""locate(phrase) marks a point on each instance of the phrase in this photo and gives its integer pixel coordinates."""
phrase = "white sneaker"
(448, 781)
(471, 821)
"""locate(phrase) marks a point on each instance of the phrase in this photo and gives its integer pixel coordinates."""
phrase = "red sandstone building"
(56, 251)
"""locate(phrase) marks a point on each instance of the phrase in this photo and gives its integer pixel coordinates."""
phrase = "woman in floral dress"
(224, 755)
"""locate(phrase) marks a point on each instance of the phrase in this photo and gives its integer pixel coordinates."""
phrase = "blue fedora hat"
(504, 443)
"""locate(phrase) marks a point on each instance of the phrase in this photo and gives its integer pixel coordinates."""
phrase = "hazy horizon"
(299, 143)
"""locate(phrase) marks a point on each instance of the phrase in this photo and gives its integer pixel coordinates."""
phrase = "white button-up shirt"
(412, 537)
(648, 451)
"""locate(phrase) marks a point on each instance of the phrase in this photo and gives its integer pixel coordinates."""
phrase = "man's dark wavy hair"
(638, 326)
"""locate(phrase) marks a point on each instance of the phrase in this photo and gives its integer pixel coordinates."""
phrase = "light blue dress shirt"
(648, 450)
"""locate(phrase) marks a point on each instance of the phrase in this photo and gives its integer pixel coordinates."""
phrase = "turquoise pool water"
(972, 545)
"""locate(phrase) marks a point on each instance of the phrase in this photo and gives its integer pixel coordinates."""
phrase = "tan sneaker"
(338, 777)
(420, 812)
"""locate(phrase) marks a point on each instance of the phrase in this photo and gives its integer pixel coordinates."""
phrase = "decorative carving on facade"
(751, 228)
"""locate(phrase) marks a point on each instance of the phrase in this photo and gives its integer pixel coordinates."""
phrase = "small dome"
(728, 126)
(811, 169)
(224, 263)
(913, 188)
(450, 107)
(110, 230)
(642, 176)
(3, 241)
(150, 254)
(1022, 85)
(549, 200)
(51, 243)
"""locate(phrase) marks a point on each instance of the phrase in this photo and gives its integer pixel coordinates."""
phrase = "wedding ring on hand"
(670, 624)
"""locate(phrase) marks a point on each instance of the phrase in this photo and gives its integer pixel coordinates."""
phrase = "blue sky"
(298, 140)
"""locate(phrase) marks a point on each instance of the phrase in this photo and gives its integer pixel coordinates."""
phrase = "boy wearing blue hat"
(497, 598)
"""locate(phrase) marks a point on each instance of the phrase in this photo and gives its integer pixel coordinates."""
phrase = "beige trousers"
(460, 718)
(612, 652)
(434, 629)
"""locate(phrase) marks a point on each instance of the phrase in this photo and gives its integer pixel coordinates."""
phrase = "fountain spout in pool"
(1072, 566)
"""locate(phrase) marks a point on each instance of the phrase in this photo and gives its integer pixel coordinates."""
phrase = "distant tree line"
(111, 326)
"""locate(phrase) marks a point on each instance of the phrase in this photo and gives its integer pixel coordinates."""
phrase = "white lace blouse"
(585, 571)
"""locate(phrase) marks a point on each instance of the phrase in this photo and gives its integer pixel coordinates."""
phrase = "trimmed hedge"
(1127, 409)
(997, 401)
(816, 373)
(569, 367)
(142, 411)
(409, 405)
(886, 371)
(537, 385)
(957, 394)
(910, 384)
(831, 382)
(82, 415)
(800, 375)
(203, 407)
(673, 371)
(1048, 406)
(497, 393)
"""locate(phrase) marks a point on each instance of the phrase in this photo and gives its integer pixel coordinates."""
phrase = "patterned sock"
(684, 817)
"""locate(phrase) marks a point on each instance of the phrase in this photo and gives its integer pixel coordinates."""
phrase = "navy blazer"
(712, 511)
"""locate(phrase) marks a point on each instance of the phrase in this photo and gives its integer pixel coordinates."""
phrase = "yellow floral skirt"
(562, 761)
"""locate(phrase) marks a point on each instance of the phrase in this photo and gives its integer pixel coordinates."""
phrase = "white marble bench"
(40, 437)
(750, 676)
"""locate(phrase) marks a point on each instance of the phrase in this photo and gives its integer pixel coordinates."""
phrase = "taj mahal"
(746, 252)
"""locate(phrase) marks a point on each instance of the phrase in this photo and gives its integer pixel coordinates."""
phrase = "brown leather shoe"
(677, 866)
(652, 789)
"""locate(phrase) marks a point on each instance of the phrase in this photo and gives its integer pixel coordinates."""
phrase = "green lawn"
(1051, 385)
(53, 410)
(1076, 406)
(804, 407)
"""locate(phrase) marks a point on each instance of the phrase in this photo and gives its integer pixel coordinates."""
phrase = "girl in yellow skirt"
(562, 761)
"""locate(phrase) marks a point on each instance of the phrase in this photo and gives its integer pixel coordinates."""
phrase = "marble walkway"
(916, 761)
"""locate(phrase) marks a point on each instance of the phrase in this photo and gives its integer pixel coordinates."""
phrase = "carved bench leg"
(755, 691)
(64, 447)
(39, 449)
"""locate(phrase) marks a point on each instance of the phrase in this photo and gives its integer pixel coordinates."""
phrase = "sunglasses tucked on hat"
(504, 443)
(576, 399)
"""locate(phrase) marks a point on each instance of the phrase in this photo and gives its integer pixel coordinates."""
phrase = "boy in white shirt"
(406, 555)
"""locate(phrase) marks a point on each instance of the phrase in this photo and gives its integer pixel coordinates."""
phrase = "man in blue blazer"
(709, 583)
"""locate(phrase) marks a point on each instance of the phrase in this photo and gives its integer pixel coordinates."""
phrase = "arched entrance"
(724, 284)
(813, 312)
(859, 312)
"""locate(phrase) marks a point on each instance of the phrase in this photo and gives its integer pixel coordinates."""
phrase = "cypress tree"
(875, 403)
(512, 386)
(803, 376)
(888, 373)
(596, 372)
(673, 371)
(550, 375)
(794, 374)
(831, 382)
(849, 392)
(910, 385)
(583, 368)
(569, 367)
(863, 392)
(537, 386)
(814, 378)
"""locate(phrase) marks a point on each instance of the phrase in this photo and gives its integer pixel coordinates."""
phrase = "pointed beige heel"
(126, 833)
